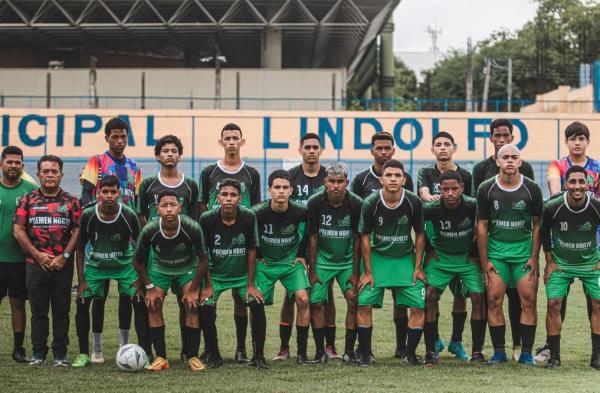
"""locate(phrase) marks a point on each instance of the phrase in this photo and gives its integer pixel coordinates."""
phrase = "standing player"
(509, 208)
(111, 228)
(451, 235)
(391, 259)
(334, 253)
(112, 162)
(282, 252)
(169, 254)
(363, 184)
(232, 166)
(12, 262)
(429, 188)
(231, 238)
(501, 133)
(568, 235)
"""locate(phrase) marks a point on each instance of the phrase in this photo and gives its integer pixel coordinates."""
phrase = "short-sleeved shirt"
(429, 177)
(227, 245)
(171, 255)
(126, 170)
(10, 198)
(509, 214)
(187, 194)
(305, 186)
(48, 220)
(110, 240)
(558, 169)
(571, 234)
(390, 227)
(367, 181)
(488, 168)
(335, 228)
(281, 234)
(212, 176)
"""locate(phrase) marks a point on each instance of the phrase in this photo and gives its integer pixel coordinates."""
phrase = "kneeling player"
(391, 259)
(451, 223)
(282, 250)
(177, 251)
(568, 235)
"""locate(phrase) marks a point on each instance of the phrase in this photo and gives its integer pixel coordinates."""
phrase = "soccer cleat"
(302, 359)
(499, 357)
(320, 358)
(439, 347)
(554, 361)
(81, 360)
(241, 357)
(195, 364)
(204, 356)
(332, 353)
(19, 356)
(282, 355)
(477, 357)
(37, 360)
(412, 359)
(516, 354)
(457, 349)
(542, 354)
(595, 361)
(349, 357)
(400, 352)
(158, 364)
(97, 358)
(430, 359)
(527, 359)
(259, 363)
(60, 361)
(213, 360)
(366, 361)
(183, 357)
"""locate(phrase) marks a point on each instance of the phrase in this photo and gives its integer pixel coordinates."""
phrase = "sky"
(457, 19)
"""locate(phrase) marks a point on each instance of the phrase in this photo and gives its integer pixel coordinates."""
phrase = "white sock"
(123, 337)
(97, 342)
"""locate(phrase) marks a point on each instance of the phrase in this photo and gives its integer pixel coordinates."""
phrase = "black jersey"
(212, 175)
(367, 181)
(429, 177)
(304, 186)
(187, 194)
(488, 168)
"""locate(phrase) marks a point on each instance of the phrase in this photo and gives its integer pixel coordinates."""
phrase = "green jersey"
(509, 214)
(305, 186)
(111, 241)
(212, 176)
(187, 192)
(171, 255)
(390, 227)
(335, 228)
(10, 198)
(571, 234)
(228, 244)
(281, 238)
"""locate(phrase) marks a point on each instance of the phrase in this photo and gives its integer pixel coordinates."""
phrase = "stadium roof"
(315, 33)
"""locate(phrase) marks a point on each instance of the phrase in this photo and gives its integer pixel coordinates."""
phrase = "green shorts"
(319, 292)
(238, 285)
(559, 282)
(292, 276)
(174, 281)
(96, 279)
(510, 273)
(409, 296)
(463, 270)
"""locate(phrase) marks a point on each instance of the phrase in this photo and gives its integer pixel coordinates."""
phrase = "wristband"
(150, 286)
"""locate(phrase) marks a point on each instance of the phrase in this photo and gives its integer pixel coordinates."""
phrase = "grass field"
(388, 374)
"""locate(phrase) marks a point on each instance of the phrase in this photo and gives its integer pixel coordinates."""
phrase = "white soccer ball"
(131, 358)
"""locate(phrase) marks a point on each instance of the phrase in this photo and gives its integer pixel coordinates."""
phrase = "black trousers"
(45, 289)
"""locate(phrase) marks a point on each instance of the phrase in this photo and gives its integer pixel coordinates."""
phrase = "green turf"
(388, 374)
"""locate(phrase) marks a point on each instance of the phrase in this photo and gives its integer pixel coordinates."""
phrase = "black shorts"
(12, 280)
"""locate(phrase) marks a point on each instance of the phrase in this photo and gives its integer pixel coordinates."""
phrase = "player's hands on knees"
(551, 267)
(534, 265)
(489, 270)
(154, 298)
(419, 274)
(139, 292)
(313, 278)
(82, 287)
(191, 299)
(302, 261)
(206, 293)
(353, 279)
(254, 293)
(365, 279)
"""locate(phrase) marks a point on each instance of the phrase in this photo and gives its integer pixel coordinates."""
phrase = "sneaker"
(430, 359)
(302, 359)
(457, 349)
(366, 361)
(97, 358)
(349, 357)
(195, 364)
(439, 347)
(19, 355)
(320, 358)
(213, 360)
(282, 355)
(158, 364)
(259, 363)
(37, 360)
(516, 354)
(542, 354)
(499, 357)
(477, 357)
(81, 360)
(554, 361)
(332, 353)
(60, 361)
(594, 362)
(400, 352)
(241, 357)
(412, 359)
(526, 358)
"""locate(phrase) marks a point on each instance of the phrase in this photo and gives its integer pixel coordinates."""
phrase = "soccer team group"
(479, 234)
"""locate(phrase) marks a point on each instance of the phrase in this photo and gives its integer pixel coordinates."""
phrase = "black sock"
(241, 326)
(528, 337)
(301, 339)
(514, 314)
(124, 312)
(497, 334)
(82, 325)
(414, 337)
(478, 334)
(142, 329)
(182, 328)
(192, 336)
(350, 339)
(401, 331)
(554, 344)
(285, 332)
(588, 302)
(319, 337)
(330, 335)
(563, 309)
(157, 335)
(364, 340)
(97, 315)
(595, 343)
(259, 328)
(208, 318)
(458, 326)
(18, 338)
(437, 325)
(430, 333)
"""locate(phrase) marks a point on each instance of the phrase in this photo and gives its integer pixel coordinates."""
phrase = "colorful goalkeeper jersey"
(558, 169)
(304, 186)
(187, 194)
(212, 176)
